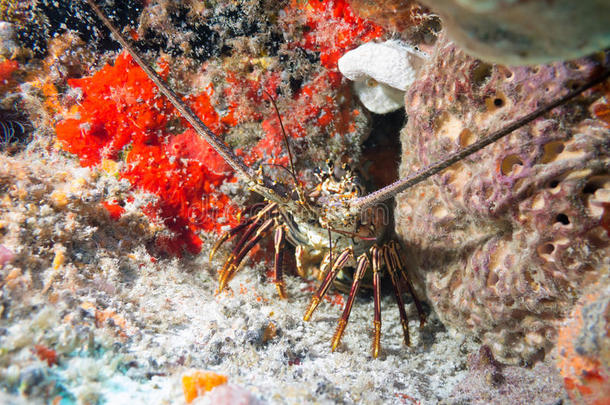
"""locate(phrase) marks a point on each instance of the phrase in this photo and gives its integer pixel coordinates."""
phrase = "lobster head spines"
(332, 198)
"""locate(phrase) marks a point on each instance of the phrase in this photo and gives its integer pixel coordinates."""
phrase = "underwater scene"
(304, 202)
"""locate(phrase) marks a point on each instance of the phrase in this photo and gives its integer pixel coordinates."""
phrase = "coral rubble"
(507, 239)
(60, 237)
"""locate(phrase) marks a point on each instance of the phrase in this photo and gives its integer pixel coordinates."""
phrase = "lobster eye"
(358, 189)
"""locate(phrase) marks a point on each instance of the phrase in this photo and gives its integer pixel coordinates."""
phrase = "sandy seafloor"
(126, 327)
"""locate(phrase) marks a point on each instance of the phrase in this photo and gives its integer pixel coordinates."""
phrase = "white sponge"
(382, 72)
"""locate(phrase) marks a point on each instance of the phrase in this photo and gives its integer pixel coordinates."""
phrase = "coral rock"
(526, 32)
(228, 394)
(8, 40)
(507, 239)
(6, 255)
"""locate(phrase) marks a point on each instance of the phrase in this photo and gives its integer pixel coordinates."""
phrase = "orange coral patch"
(199, 382)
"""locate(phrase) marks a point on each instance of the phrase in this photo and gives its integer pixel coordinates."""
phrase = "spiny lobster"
(308, 218)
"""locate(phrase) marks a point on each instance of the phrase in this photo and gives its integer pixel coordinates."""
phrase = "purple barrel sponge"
(506, 240)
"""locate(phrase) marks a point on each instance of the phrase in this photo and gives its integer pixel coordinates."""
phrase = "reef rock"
(526, 32)
(506, 240)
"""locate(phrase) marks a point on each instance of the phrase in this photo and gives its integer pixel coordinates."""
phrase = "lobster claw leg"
(250, 225)
(390, 255)
(229, 235)
(255, 229)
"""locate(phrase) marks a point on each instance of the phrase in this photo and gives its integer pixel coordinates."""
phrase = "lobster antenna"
(390, 191)
(245, 172)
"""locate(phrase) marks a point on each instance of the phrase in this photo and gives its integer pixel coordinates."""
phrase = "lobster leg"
(330, 276)
(395, 251)
(278, 270)
(257, 220)
(230, 234)
(254, 224)
(376, 259)
(231, 267)
(361, 268)
(392, 266)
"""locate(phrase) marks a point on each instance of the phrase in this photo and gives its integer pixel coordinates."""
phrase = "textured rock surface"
(526, 32)
(506, 240)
